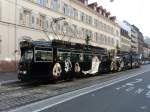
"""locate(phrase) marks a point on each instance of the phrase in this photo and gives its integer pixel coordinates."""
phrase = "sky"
(134, 11)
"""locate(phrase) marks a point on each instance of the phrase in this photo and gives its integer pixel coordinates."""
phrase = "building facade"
(134, 39)
(34, 19)
(146, 47)
(125, 41)
(137, 39)
(147, 40)
(140, 43)
(146, 51)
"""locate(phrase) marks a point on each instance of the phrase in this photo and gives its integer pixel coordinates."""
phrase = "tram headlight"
(20, 72)
(24, 72)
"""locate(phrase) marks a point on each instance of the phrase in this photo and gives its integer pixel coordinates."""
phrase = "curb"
(2, 83)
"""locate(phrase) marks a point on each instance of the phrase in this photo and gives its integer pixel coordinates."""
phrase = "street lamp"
(55, 20)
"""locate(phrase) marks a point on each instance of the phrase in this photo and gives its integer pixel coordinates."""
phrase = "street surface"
(8, 76)
(130, 95)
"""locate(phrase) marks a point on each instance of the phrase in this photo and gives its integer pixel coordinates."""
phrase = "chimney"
(104, 12)
(99, 9)
(84, 1)
(113, 18)
(107, 14)
(93, 6)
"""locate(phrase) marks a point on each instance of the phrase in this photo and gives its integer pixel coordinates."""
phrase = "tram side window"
(62, 56)
(87, 57)
(104, 58)
(77, 57)
(45, 56)
(27, 55)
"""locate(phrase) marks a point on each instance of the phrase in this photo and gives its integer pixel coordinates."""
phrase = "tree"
(118, 48)
(87, 40)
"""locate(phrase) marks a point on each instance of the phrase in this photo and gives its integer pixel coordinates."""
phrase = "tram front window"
(104, 58)
(27, 55)
(43, 56)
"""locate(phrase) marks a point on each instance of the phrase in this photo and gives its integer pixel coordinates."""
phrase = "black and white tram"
(58, 60)
(129, 60)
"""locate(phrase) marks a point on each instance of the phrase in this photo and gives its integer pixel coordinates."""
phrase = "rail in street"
(20, 94)
(131, 95)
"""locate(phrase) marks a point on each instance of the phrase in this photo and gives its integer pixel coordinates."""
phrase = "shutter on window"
(46, 3)
(62, 7)
(47, 24)
(37, 20)
(33, 17)
(21, 16)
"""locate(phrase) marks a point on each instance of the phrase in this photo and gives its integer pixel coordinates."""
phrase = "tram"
(58, 60)
(129, 60)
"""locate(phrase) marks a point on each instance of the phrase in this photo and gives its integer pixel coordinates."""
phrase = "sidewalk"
(8, 77)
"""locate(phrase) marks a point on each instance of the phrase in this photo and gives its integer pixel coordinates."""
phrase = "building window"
(82, 16)
(109, 40)
(95, 23)
(38, 22)
(75, 13)
(91, 34)
(96, 37)
(71, 12)
(55, 5)
(65, 9)
(82, 33)
(90, 20)
(42, 2)
(87, 18)
(42, 21)
(57, 28)
(75, 34)
(112, 41)
(69, 30)
(64, 26)
(26, 17)
(33, 19)
(87, 33)
(102, 36)
(48, 24)
(117, 32)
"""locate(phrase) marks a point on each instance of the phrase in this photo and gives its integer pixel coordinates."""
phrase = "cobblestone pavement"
(15, 95)
(8, 76)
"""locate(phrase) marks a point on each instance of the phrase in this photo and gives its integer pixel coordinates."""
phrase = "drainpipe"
(15, 34)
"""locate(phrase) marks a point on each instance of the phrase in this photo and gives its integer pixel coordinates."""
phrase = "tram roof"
(60, 43)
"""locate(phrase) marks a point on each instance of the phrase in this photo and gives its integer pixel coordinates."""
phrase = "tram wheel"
(57, 71)
(68, 75)
(112, 67)
(77, 70)
(121, 66)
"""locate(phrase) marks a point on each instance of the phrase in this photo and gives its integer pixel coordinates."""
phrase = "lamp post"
(131, 53)
(87, 41)
(15, 34)
(54, 21)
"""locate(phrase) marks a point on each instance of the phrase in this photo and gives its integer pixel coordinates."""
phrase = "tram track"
(18, 94)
